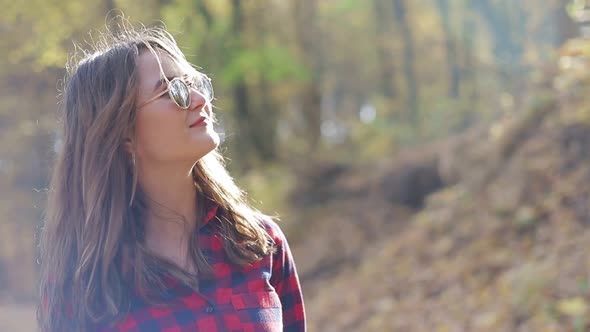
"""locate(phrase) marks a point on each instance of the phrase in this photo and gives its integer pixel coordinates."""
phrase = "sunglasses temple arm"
(154, 98)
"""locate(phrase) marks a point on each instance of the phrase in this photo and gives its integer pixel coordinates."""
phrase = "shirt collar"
(210, 214)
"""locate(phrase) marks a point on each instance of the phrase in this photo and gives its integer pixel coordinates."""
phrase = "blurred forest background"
(429, 159)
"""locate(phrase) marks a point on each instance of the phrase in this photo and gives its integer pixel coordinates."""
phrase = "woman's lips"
(200, 122)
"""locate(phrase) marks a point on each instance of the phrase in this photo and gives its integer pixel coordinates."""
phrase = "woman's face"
(165, 133)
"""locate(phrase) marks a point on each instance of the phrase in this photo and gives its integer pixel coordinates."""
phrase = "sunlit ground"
(17, 318)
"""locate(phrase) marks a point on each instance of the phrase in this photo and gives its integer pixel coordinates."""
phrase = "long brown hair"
(92, 249)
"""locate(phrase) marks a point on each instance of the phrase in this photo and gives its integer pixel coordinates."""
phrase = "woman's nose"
(198, 100)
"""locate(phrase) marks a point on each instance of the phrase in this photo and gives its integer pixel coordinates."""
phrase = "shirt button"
(209, 309)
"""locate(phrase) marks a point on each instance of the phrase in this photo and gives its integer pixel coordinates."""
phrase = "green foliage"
(338, 8)
(271, 62)
(268, 186)
(47, 28)
(575, 6)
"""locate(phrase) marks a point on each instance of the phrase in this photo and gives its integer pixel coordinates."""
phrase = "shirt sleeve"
(286, 282)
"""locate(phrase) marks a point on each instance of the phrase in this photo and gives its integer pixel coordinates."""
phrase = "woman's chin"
(216, 139)
(206, 147)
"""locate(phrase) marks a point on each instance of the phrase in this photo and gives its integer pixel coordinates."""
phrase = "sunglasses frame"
(188, 89)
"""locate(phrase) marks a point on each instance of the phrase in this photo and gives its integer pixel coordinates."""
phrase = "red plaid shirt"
(265, 296)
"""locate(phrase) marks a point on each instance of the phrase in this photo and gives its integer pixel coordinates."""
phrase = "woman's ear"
(128, 145)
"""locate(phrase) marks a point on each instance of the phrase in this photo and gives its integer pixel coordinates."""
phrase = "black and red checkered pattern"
(265, 296)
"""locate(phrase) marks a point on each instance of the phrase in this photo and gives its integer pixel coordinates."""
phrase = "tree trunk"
(470, 68)
(203, 9)
(565, 27)
(265, 111)
(454, 74)
(240, 95)
(307, 34)
(384, 45)
(110, 6)
(506, 21)
(401, 18)
(267, 117)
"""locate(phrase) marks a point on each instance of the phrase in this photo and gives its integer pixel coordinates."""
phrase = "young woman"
(145, 229)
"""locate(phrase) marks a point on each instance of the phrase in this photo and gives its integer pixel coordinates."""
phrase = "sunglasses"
(179, 90)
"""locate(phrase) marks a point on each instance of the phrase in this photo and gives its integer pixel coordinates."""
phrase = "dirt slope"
(503, 247)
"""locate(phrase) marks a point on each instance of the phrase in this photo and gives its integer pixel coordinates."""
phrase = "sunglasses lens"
(203, 84)
(179, 93)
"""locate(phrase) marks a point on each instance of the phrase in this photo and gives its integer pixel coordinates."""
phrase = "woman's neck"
(172, 210)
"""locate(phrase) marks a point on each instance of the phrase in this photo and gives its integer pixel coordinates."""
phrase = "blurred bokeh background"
(429, 160)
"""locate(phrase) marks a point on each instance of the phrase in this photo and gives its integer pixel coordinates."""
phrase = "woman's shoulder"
(272, 228)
